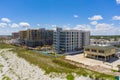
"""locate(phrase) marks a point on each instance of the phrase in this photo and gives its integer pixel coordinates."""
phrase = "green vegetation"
(115, 70)
(64, 64)
(6, 78)
(2, 46)
(58, 65)
(1, 65)
(70, 77)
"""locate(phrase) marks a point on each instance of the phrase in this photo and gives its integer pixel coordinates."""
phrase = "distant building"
(36, 37)
(99, 52)
(15, 35)
(70, 40)
(104, 42)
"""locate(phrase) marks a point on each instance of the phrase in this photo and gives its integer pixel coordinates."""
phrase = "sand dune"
(19, 69)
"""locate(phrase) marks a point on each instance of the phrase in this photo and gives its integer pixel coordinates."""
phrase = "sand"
(19, 69)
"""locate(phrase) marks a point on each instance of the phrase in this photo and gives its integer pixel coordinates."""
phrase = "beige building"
(23, 34)
(99, 52)
(36, 37)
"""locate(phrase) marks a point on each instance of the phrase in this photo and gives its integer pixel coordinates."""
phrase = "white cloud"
(66, 27)
(94, 23)
(96, 17)
(6, 20)
(38, 24)
(99, 29)
(118, 1)
(14, 25)
(3, 25)
(82, 27)
(104, 26)
(105, 29)
(116, 17)
(54, 26)
(75, 16)
(24, 24)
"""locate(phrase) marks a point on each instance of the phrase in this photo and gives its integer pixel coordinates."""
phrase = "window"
(93, 50)
(101, 51)
(87, 49)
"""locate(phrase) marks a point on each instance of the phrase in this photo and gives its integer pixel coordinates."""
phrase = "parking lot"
(92, 62)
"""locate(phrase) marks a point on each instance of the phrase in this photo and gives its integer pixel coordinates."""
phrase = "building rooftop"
(99, 47)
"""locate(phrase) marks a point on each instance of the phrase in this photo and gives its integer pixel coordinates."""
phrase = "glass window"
(87, 49)
(93, 50)
(101, 51)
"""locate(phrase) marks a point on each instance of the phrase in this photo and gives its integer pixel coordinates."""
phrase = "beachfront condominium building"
(15, 35)
(70, 40)
(23, 36)
(36, 37)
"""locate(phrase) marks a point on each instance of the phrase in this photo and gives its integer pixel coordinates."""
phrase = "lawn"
(57, 65)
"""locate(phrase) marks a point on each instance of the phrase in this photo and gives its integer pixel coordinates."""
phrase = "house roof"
(99, 47)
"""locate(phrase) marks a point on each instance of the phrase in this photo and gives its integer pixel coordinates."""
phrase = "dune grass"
(57, 65)
(6, 78)
(3, 45)
(70, 77)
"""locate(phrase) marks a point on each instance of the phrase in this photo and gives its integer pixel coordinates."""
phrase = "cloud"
(66, 27)
(14, 25)
(96, 17)
(24, 24)
(116, 17)
(98, 29)
(75, 16)
(118, 1)
(6, 20)
(105, 29)
(104, 26)
(54, 26)
(38, 24)
(3, 25)
(94, 23)
(82, 27)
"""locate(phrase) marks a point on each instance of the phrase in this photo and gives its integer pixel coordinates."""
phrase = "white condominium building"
(70, 40)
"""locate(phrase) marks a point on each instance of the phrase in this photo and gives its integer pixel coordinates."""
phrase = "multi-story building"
(15, 35)
(36, 37)
(23, 36)
(70, 40)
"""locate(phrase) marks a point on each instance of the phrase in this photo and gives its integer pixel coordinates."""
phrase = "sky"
(100, 17)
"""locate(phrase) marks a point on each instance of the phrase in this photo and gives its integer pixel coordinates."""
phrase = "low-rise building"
(104, 42)
(99, 52)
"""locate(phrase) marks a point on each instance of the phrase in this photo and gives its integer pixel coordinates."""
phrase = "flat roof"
(99, 47)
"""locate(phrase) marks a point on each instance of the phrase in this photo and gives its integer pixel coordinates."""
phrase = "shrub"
(6, 78)
(64, 64)
(70, 77)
